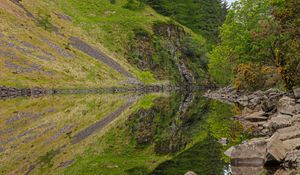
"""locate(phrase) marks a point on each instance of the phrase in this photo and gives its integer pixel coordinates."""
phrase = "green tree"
(287, 16)
(202, 16)
(246, 37)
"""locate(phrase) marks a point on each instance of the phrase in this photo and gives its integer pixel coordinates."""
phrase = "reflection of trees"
(204, 158)
(163, 124)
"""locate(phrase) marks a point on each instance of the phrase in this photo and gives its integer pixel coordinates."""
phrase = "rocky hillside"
(54, 44)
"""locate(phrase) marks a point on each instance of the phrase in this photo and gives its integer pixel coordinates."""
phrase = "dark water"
(159, 134)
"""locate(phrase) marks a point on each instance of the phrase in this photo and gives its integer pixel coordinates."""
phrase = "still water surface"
(159, 134)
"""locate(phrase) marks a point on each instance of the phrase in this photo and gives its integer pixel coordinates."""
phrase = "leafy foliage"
(202, 16)
(262, 33)
(287, 17)
(134, 5)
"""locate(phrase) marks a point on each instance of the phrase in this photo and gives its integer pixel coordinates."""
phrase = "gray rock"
(275, 149)
(292, 159)
(289, 132)
(251, 153)
(297, 93)
(256, 117)
(223, 141)
(247, 170)
(292, 144)
(190, 173)
(280, 121)
(268, 106)
(286, 105)
(229, 151)
(286, 172)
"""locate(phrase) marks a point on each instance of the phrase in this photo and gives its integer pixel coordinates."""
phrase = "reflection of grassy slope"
(28, 132)
(116, 152)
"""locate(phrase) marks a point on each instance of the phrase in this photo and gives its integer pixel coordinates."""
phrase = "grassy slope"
(103, 25)
(112, 25)
(76, 70)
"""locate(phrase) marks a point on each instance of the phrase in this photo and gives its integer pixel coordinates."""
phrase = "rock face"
(297, 93)
(275, 117)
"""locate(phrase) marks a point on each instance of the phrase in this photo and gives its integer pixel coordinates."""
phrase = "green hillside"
(95, 44)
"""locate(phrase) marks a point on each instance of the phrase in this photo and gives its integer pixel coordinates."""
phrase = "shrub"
(253, 77)
(44, 22)
(134, 5)
(113, 1)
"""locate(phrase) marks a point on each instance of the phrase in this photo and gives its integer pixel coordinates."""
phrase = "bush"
(113, 1)
(221, 66)
(254, 77)
(134, 5)
(194, 50)
(44, 22)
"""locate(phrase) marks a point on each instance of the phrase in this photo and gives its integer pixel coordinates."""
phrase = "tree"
(287, 16)
(246, 37)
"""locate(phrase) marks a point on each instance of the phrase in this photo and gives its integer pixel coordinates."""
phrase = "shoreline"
(273, 118)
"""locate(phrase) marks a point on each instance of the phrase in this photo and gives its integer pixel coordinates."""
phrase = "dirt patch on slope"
(10, 8)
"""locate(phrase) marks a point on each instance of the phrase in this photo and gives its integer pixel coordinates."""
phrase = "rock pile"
(274, 117)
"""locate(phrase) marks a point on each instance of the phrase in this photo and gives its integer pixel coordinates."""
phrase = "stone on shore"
(190, 173)
(287, 105)
(247, 170)
(280, 121)
(297, 93)
(251, 153)
(256, 117)
(276, 150)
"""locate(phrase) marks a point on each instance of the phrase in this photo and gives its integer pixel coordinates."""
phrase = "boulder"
(268, 106)
(256, 117)
(292, 159)
(229, 151)
(292, 144)
(280, 121)
(246, 170)
(223, 141)
(286, 172)
(289, 132)
(275, 149)
(297, 93)
(251, 153)
(286, 105)
(190, 173)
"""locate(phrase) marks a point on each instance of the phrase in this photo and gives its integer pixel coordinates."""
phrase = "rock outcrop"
(274, 117)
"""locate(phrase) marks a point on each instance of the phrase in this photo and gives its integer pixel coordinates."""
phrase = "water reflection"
(115, 134)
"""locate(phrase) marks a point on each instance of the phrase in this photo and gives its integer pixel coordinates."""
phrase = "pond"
(156, 133)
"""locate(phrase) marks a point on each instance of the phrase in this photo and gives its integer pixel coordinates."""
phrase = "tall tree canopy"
(202, 16)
